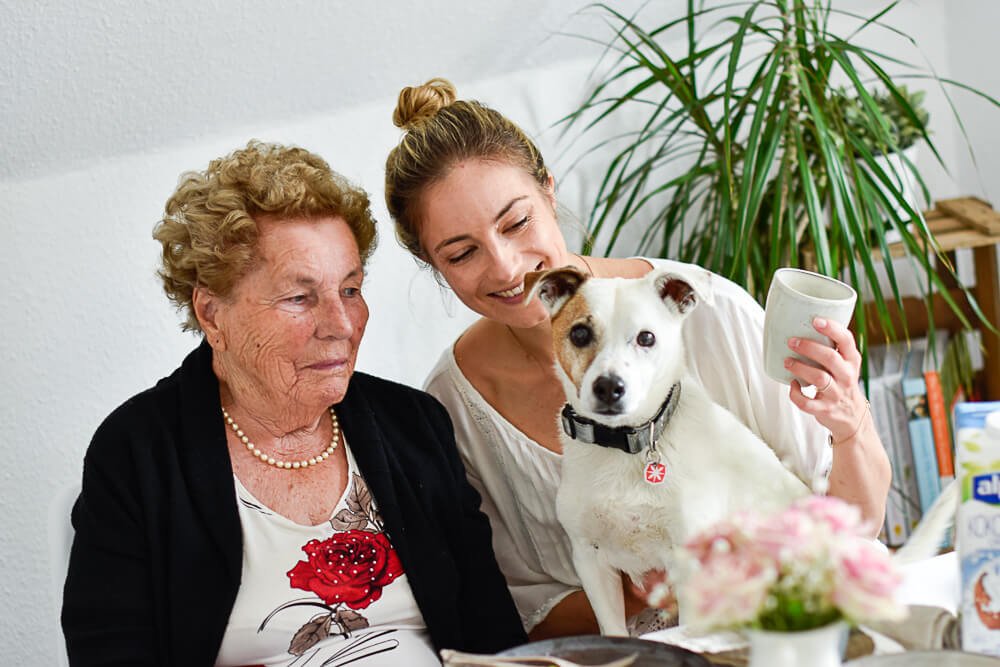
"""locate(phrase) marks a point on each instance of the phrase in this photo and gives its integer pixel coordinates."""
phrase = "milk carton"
(978, 533)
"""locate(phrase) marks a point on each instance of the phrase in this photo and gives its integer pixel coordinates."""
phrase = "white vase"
(821, 647)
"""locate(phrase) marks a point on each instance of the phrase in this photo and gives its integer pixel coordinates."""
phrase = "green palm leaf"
(747, 158)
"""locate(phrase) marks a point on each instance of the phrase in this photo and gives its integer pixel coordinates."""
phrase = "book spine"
(897, 525)
(939, 425)
(922, 441)
(906, 479)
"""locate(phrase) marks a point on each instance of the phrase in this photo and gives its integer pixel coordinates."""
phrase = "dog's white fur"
(615, 520)
(715, 464)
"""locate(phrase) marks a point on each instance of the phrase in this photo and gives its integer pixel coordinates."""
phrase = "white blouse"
(330, 594)
(518, 478)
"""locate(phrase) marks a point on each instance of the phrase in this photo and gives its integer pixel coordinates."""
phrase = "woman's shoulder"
(140, 423)
(442, 380)
(483, 370)
(723, 294)
(617, 267)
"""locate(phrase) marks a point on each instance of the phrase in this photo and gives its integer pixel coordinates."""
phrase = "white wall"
(85, 324)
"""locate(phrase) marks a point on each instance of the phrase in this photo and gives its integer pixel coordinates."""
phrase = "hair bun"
(420, 102)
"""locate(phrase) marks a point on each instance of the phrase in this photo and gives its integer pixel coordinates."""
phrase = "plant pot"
(821, 647)
(895, 163)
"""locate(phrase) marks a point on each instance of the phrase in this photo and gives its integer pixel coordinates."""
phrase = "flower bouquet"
(799, 569)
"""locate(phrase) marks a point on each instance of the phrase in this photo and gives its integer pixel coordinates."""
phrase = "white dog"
(648, 458)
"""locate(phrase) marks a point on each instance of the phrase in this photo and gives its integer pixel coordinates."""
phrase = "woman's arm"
(861, 471)
(107, 604)
(573, 615)
(724, 343)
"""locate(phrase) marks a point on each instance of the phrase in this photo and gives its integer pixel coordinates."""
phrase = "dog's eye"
(581, 335)
(645, 339)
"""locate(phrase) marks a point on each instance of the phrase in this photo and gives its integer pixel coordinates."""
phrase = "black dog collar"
(629, 439)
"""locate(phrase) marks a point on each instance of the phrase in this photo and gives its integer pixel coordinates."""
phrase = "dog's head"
(617, 341)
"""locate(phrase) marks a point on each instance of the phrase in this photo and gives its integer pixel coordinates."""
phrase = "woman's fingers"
(837, 365)
(834, 373)
(843, 339)
(823, 378)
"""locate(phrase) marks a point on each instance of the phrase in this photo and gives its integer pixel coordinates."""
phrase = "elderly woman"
(265, 504)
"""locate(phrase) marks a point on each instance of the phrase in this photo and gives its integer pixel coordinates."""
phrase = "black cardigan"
(156, 560)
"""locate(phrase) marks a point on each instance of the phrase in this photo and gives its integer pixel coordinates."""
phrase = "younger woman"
(471, 197)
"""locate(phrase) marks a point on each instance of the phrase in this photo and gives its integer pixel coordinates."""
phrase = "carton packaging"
(978, 533)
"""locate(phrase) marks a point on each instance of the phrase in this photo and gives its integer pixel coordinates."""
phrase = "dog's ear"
(685, 292)
(554, 287)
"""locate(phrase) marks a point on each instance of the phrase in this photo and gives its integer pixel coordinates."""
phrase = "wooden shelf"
(958, 223)
(950, 224)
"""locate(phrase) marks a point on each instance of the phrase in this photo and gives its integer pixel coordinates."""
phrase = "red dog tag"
(656, 472)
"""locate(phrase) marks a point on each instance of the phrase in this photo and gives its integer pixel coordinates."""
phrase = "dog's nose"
(609, 389)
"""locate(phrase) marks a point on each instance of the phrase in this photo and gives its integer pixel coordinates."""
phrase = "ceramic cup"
(793, 300)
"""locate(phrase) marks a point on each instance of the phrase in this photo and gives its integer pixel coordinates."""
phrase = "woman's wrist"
(858, 430)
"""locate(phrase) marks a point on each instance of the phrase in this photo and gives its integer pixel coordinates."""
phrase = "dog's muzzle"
(629, 439)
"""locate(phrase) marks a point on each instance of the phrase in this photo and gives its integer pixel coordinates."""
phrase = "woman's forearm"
(573, 615)
(861, 474)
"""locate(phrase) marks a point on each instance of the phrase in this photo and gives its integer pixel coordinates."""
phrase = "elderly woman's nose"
(334, 319)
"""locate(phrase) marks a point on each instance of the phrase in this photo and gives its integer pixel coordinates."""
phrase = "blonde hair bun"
(419, 102)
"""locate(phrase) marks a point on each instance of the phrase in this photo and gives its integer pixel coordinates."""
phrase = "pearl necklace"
(287, 465)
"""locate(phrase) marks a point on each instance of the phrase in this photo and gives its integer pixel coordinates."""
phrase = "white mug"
(794, 299)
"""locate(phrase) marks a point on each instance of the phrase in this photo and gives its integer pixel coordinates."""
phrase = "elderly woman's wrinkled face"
(293, 324)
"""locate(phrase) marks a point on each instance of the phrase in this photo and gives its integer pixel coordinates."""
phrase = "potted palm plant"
(906, 117)
(758, 147)
(906, 130)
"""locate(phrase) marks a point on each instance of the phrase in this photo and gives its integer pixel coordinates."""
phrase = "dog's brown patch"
(574, 360)
(554, 286)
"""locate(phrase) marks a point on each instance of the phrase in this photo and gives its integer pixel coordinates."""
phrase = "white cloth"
(518, 477)
(388, 631)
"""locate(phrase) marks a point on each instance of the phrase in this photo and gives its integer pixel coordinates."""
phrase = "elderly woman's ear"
(205, 303)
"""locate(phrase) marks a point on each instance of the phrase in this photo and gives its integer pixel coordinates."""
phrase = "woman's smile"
(513, 293)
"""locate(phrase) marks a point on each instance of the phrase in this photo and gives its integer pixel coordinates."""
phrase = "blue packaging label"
(986, 488)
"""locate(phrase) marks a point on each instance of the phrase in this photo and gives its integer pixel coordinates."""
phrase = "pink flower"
(865, 580)
(730, 590)
(791, 534)
(724, 536)
(796, 568)
(842, 517)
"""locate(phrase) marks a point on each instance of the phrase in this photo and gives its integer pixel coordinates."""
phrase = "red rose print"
(351, 568)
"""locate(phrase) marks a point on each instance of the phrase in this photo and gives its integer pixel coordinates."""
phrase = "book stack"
(913, 389)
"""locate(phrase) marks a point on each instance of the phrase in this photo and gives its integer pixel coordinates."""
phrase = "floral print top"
(326, 595)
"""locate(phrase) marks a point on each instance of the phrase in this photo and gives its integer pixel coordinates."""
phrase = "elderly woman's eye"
(581, 335)
(297, 299)
(645, 339)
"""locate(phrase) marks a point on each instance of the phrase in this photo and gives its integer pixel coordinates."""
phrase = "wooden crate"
(957, 223)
